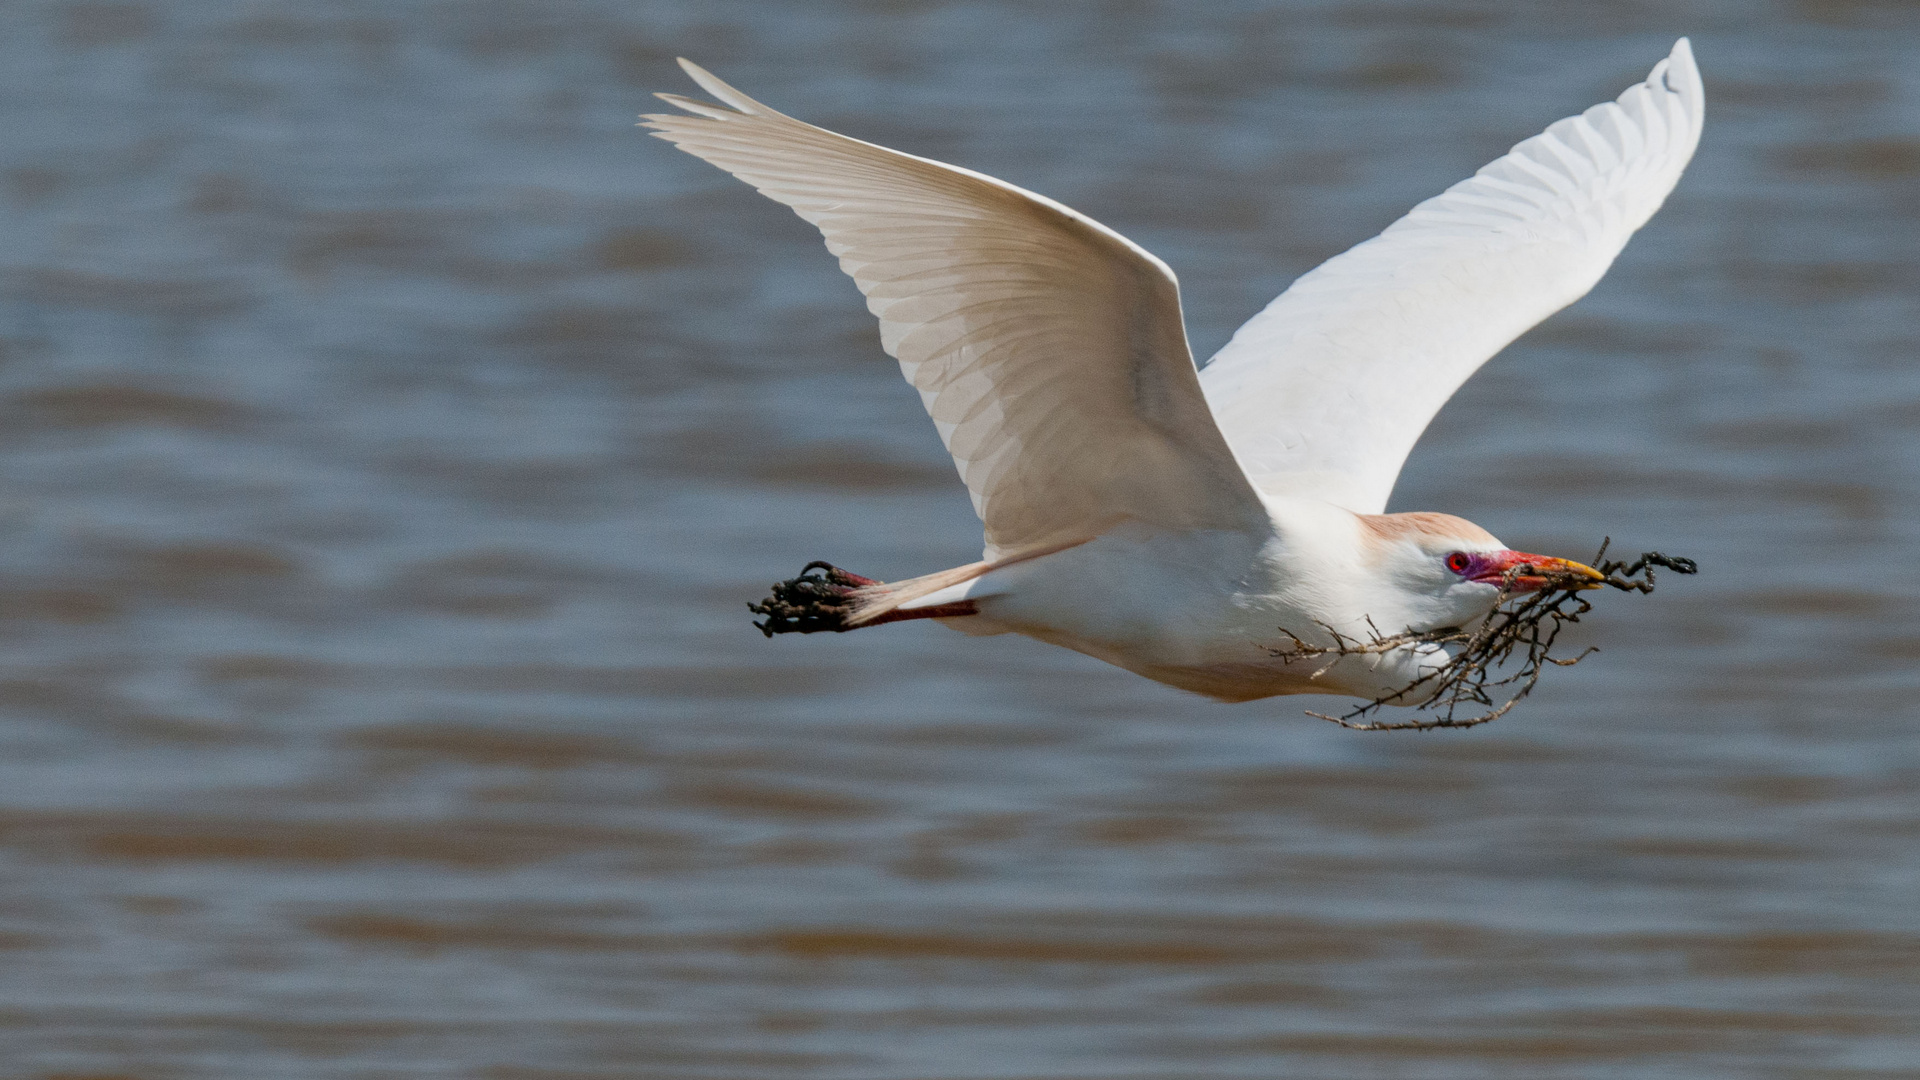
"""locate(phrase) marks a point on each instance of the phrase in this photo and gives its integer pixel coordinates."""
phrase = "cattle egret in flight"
(1184, 523)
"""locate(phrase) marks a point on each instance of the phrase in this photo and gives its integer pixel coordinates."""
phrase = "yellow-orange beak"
(1536, 572)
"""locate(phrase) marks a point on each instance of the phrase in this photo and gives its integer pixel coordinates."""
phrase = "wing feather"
(1048, 349)
(1324, 393)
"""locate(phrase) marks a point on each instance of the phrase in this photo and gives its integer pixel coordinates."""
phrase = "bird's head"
(1447, 571)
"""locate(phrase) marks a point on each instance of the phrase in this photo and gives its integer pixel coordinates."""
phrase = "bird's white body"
(1215, 611)
(1190, 524)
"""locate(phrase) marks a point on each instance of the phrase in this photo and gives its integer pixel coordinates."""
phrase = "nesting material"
(1471, 681)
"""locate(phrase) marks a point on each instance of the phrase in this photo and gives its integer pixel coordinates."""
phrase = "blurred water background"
(393, 434)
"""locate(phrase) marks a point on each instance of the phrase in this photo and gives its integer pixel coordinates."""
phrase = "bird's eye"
(1458, 562)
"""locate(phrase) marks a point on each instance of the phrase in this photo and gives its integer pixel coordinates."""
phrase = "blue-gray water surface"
(392, 435)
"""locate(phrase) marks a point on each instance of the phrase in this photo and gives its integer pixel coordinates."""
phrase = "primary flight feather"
(1187, 523)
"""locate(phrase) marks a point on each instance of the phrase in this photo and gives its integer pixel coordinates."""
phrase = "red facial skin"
(1491, 567)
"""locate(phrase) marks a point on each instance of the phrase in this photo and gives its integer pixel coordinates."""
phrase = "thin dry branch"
(1469, 679)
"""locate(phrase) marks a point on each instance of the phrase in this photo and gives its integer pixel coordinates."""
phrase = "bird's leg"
(817, 602)
(938, 611)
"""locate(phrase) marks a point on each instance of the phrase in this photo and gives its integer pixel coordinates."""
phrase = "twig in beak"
(1527, 630)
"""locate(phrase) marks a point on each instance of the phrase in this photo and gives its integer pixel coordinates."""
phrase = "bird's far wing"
(1324, 393)
(1048, 349)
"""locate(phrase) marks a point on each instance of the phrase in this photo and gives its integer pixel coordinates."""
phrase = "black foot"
(810, 603)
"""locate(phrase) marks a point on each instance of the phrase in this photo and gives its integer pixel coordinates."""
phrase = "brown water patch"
(219, 193)
(802, 851)
(1814, 952)
(1486, 750)
(1897, 648)
(715, 682)
(254, 667)
(1771, 432)
(1536, 1049)
(379, 239)
(74, 607)
(434, 935)
(1137, 829)
(848, 468)
(75, 697)
(998, 1019)
(753, 457)
(772, 800)
(639, 250)
(965, 735)
(519, 748)
(878, 944)
(1267, 994)
(990, 828)
(791, 1023)
(91, 24)
(189, 299)
(1848, 12)
(1401, 73)
(158, 905)
(136, 837)
(488, 584)
(585, 339)
(653, 1051)
(71, 408)
(1820, 282)
(1321, 788)
(927, 859)
(323, 1040)
(1784, 790)
(1180, 199)
(643, 61)
(1581, 331)
(1087, 940)
(205, 569)
(411, 242)
(1708, 849)
(29, 184)
(1672, 1018)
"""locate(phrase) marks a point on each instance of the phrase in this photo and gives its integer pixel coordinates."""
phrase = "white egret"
(1186, 523)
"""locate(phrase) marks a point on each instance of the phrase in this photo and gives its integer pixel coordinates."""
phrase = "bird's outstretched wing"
(1324, 393)
(1048, 349)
